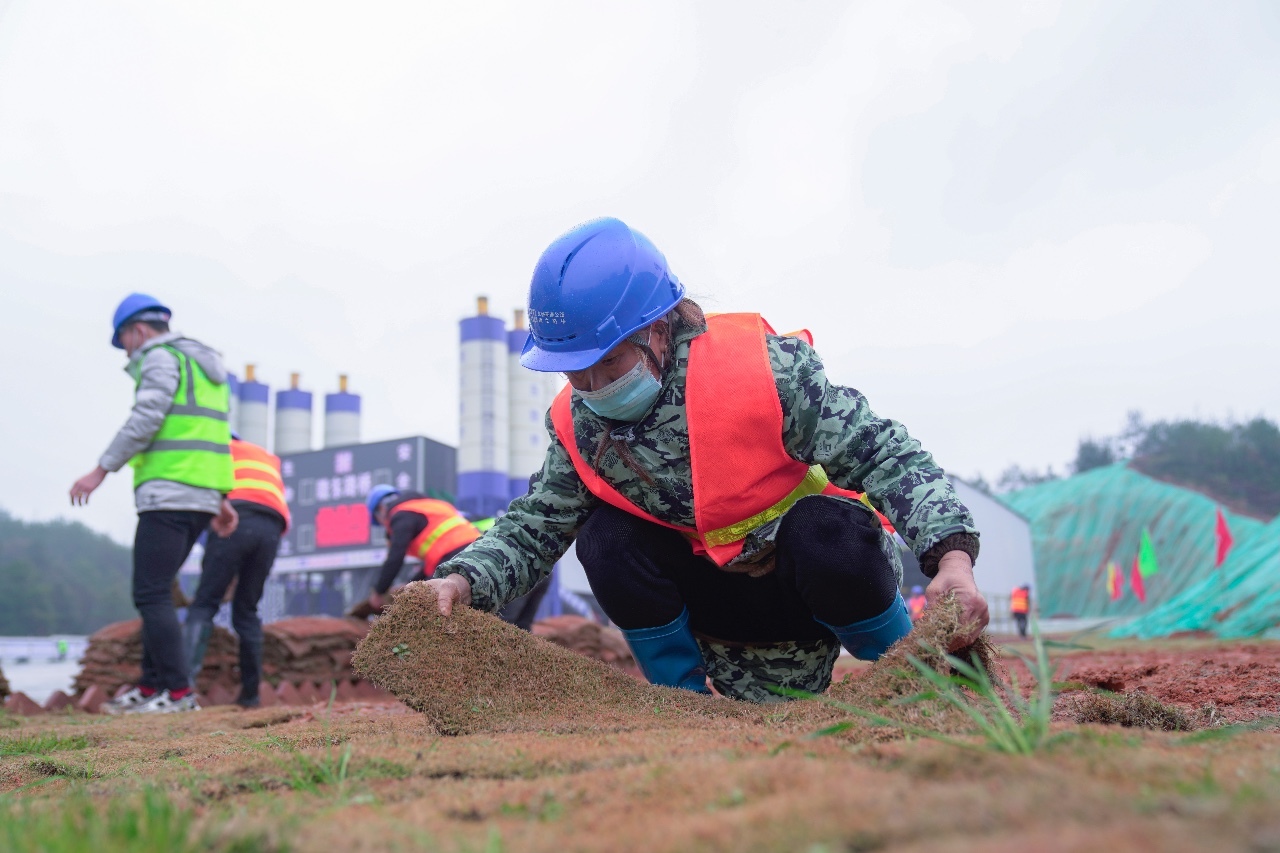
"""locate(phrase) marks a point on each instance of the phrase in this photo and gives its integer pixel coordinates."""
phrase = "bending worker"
(245, 559)
(433, 531)
(178, 442)
(701, 465)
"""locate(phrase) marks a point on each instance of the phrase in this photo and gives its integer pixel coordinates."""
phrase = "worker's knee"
(833, 552)
(607, 536)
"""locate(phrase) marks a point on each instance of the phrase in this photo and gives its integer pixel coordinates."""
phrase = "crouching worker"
(245, 559)
(702, 466)
(433, 531)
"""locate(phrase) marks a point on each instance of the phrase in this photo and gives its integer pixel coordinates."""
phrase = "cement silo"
(293, 418)
(341, 416)
(255, 398)
(483, 445)
(528, 409)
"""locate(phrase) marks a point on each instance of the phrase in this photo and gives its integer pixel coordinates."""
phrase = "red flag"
(1115, 582)
(1224, 538)
(1135, 581)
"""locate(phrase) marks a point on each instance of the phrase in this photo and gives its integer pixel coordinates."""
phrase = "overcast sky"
(1007, 226)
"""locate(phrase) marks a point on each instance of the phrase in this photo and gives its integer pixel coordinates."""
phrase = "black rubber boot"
(195, 642)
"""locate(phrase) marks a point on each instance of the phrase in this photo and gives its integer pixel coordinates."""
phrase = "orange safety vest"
(446, 531)
(742, 475)
(257, 477)
(1019, 601)
(915, 605)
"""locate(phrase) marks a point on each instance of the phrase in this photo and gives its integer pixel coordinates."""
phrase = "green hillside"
(60, 577)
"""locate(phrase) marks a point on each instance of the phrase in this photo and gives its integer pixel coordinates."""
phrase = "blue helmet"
(592, 288)
(129, 309)
(376, 496)
(916, 590)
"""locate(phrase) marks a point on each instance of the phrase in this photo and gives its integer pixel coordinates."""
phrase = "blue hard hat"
(592, 288)
(376, 496)
(916, 590)
(131, 306)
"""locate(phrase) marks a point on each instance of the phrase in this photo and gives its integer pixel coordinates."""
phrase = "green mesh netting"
(1080, 524)
(1239, 599)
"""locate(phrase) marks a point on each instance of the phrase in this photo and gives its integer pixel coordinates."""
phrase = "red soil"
(1241, 681)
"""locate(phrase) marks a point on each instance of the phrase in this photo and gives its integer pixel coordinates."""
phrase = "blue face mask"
(627, 398)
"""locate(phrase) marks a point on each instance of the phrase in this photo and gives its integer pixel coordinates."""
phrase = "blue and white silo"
(341, 416)
(255, 399)
(483, 440)
(529, 404)
(233, 402)
(293, 418)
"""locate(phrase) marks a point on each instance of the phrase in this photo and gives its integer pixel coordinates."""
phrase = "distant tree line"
(60, 577)
(1237, 464)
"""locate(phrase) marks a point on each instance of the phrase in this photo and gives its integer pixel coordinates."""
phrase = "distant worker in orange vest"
(1020, 606)
(916, 603)
(245, 559)
(707, 470)
(432, 531)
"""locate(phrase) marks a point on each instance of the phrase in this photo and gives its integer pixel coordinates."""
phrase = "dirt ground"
(667, 775)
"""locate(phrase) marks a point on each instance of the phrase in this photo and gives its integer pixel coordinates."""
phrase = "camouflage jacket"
(823, 424)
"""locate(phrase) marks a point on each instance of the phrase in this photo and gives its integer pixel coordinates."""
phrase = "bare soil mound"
(1235, 683)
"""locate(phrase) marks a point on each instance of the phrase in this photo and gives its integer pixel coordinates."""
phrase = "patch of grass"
(1133, 710)
(152, 824)
(304, 772)
(41, 744)
(61, 769)
(9, 721)
(1006, 721)
(1225, 732)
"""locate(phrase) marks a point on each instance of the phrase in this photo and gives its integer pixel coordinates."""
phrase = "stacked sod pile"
(305, 650)
(588, 638)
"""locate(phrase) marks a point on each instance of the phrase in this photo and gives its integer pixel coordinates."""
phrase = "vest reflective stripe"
(441, 529)
(192, 444)
(1019, 601)
(257, 478)
(446, 531)
(742, 475)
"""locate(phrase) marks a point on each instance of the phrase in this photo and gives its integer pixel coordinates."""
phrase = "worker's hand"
(955, 574)
(376, 600)
(82, 488)
(226, 521)
(450, 590)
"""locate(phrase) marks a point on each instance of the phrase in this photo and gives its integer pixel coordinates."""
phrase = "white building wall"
(1006, 559)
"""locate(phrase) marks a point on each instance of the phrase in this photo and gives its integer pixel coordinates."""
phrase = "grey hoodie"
(157, 372)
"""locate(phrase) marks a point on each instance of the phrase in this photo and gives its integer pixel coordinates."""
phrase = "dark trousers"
(829, 567)
(521, 611)
(160, 545)
(1020, 619)
(245, 557)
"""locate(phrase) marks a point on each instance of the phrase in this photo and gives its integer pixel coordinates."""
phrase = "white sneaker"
(163, 703)
(125, 702)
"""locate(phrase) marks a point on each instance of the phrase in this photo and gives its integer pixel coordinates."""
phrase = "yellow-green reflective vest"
(484, 524)
(193, 445)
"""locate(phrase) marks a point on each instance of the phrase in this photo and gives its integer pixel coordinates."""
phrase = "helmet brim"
(545, 361)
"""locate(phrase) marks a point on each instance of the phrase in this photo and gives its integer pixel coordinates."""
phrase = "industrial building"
(329, 555)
